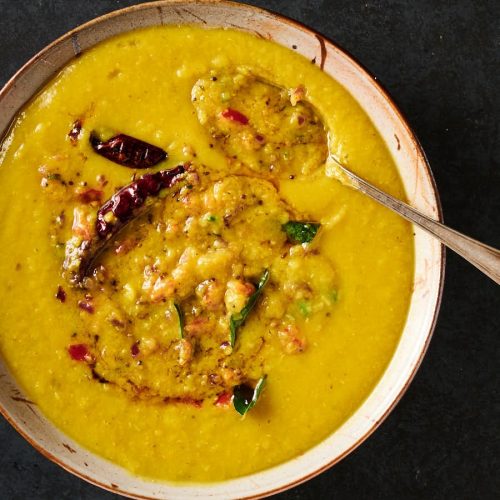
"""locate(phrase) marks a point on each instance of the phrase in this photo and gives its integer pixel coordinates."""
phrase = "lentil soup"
(186, 291)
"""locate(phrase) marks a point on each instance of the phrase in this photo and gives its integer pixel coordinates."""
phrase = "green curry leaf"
(300, 232)
(304, 308)
(239, 319)
(245, 398)
(333, 295)
(180, 315)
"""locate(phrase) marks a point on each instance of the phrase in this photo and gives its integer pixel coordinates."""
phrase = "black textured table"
(440, 61)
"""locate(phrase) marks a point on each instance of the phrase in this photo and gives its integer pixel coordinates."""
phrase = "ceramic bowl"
(429, 255)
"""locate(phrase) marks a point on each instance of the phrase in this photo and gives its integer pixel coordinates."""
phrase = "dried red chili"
(125, 205)
(234, 116)
(128, 151)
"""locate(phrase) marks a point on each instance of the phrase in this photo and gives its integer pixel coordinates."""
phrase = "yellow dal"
(140, 84)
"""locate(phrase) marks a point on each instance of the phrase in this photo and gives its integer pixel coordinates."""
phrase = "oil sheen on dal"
(140, 84)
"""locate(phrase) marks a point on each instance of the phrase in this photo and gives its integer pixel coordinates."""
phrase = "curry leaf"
(180, 315)
(333, 295)
(300, 232)
(245, 398)
(239, 319)
(304, 308)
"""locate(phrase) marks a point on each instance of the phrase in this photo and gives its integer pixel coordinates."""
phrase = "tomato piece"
(234, 116)
(79, 352)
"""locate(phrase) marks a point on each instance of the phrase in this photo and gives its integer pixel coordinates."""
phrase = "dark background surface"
(440, 61)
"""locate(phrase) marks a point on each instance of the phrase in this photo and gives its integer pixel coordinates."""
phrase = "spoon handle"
(484, 257)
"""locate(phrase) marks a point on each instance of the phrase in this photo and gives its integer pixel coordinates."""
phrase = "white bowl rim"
(72, 35)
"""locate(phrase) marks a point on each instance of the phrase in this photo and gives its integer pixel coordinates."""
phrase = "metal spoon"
(246, 97)
(484, 257)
